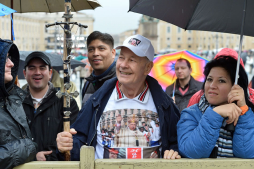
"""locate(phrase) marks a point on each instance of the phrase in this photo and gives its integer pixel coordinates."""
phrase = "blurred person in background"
(185, 85)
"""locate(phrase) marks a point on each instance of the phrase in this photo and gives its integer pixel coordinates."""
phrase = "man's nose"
(124, 63)
(96, 52)
(37, 71)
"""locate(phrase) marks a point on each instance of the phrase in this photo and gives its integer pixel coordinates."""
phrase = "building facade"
(31, 34)
(168, 37)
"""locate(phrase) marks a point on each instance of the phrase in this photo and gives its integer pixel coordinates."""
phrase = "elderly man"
(16, 145)
(131, 93)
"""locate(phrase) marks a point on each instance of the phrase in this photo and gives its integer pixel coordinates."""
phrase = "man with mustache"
(43, 108)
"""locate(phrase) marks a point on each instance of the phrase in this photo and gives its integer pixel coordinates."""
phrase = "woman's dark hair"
(104, 37)
(229, 64)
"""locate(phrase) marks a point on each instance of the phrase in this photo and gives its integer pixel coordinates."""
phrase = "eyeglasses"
(8, 57)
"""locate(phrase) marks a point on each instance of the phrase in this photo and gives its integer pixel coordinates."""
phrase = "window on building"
(179, 30)
(179, 38)
(168, 29)
(189, 46)
(168, 46)
(189, 39)
(189, 31)
(168, 38)
(178, 46)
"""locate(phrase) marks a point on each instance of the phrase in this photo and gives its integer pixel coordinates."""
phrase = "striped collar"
(142, 97)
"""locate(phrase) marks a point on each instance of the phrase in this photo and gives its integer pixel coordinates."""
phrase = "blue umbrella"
(4, 10)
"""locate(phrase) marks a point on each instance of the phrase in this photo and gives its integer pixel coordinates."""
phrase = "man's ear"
(113, 53)
(50, 72)
(148, 67)
(24, 72)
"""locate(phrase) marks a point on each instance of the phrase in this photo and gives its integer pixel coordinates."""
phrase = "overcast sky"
(113, 17)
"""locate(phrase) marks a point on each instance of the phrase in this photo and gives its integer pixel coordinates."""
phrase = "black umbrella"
(228, 16)
(56, 62)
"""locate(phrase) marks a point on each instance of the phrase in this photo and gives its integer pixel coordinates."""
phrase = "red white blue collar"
(142, 97)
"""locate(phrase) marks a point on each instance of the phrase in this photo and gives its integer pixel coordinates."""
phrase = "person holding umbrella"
(16, 145)
(224, 52)
(202, 131)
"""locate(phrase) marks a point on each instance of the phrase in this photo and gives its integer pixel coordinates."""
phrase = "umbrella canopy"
(208, 15)
(4, 10)
(164, 67)
(22, 6)
(56, 62)
(229, 16)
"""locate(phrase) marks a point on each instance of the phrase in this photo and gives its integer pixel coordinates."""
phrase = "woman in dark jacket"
(16, 145)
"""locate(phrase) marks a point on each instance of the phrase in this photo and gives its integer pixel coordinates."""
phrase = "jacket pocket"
(5, 136)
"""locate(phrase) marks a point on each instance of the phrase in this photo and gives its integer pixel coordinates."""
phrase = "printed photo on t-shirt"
(130, 133)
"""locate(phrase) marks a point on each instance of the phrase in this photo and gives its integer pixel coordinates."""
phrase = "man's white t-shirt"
(128, 128)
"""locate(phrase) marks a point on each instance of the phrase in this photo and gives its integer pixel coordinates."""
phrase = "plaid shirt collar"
(142, 97)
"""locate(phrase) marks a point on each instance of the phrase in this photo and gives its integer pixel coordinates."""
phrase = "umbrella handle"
(240, 45)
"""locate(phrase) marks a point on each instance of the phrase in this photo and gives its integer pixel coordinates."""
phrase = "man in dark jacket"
(185, 85)
(121, 105)
(101, 54)
(43, 108)
(16, 145)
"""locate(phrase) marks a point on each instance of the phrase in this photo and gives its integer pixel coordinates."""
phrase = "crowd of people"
(124, 112)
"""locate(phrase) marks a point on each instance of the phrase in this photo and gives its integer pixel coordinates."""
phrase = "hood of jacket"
(7, 46)
(229, 52)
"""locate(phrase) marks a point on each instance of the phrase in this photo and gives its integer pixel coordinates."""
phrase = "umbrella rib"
(47, 5)
(20, 6)
(90, 5)
(133, 6)
(73, 7)
(191, 16)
